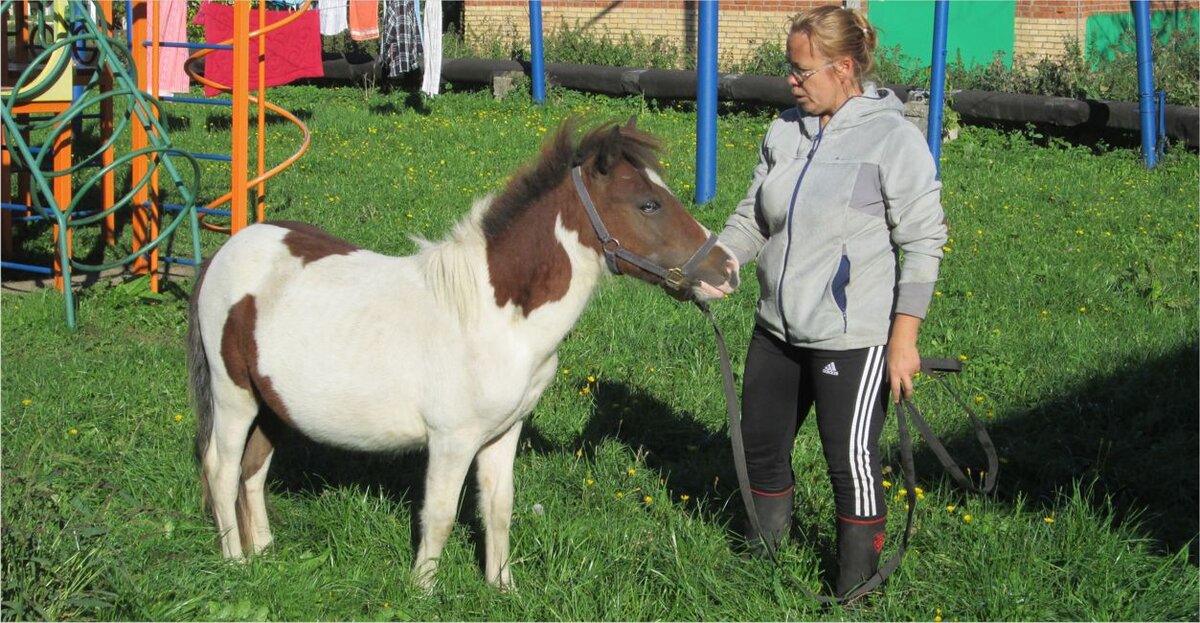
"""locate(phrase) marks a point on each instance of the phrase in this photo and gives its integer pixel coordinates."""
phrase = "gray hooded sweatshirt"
(826, 215)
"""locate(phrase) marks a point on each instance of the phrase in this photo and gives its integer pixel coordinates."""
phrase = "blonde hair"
(837, 33)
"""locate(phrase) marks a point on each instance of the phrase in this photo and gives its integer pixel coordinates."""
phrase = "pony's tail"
(199, 385)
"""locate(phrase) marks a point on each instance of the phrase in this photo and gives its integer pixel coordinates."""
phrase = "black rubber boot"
(859, 544)
(774, 516)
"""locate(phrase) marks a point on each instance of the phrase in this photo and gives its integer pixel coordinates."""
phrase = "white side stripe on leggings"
(865, 504)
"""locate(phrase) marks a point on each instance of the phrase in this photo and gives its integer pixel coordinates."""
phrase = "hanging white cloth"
(431, 43)
(334, 18)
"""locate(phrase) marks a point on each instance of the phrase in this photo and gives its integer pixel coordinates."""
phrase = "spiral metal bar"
(260, 101)
(112, 58)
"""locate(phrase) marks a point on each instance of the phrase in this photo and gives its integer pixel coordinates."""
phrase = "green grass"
(1070, 287)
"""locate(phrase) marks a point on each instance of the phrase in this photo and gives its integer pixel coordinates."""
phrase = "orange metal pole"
(142, 213)
(155, 193)
(108, 182)
(6, 240)
(62, 192)
(24, 182)
(260, 203)
(241, 111)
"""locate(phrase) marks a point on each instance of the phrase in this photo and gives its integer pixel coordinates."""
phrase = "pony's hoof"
(504, 585)
(425, 579)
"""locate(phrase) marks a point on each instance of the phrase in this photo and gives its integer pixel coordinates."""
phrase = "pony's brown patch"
(311, 243)
(523, 268)
(239, 353)
(259, 446)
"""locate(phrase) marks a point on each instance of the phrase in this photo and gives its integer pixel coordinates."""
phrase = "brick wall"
(1082, 9)
(744, 25)
(1040, 28)
(1035, 38)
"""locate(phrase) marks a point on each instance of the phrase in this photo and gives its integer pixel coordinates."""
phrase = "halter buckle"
(675, 278)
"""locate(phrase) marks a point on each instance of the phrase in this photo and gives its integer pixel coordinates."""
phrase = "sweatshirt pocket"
(837, 287)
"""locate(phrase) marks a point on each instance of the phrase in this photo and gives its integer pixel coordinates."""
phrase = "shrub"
(1176, 66)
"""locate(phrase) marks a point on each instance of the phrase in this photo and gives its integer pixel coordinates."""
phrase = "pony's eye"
(650, 207)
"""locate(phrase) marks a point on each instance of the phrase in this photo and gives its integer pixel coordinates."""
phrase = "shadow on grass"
(1131, 436)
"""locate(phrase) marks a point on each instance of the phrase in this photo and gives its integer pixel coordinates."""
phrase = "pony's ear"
(632, 123)
(610, 151)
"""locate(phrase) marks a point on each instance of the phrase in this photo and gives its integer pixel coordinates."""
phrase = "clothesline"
(409, 38)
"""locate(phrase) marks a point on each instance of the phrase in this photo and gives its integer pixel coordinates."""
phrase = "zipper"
(812, 150)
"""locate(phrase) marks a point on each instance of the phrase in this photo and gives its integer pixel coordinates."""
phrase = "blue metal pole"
(538, 63)
(1145, 71)
(706, 102)
(937, 80)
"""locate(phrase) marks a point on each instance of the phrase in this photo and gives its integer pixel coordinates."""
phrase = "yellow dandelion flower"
(962, 357)
(631, 471)
(26, 402)
(591, 379)
(1048, 520)
(585, 391)
(73, 432)
(950, 508)
(648, 500)
(978, 400)
(566, 371)
(887, 484)
(1082, 309)
(937, 615)
(685, 497)
(937, 292)
(620, 494)
(579, 453)
(589, 482)
(967, 518)
(178, 417)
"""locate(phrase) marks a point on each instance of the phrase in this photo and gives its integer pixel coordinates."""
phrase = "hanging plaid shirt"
(400, 45)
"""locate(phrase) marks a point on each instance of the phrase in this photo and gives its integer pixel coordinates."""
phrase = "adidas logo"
(830, 369)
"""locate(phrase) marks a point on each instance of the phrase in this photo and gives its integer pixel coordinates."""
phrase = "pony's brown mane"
(559, 155)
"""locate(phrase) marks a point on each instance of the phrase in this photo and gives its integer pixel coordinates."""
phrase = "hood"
(857, 110)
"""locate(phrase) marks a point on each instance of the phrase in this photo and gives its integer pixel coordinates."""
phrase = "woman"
(843, 183)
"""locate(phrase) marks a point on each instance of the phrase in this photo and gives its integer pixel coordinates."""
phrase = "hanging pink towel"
(293, 52)
(171, 29)
(364, 19)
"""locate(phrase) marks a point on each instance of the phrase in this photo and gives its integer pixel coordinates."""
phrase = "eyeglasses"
(801, 76)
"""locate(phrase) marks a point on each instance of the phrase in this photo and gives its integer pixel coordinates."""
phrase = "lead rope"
(906, 462)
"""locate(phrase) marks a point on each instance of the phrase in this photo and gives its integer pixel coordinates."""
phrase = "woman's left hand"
(903, 359)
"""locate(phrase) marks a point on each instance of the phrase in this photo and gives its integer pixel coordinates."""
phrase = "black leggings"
(849, 389)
